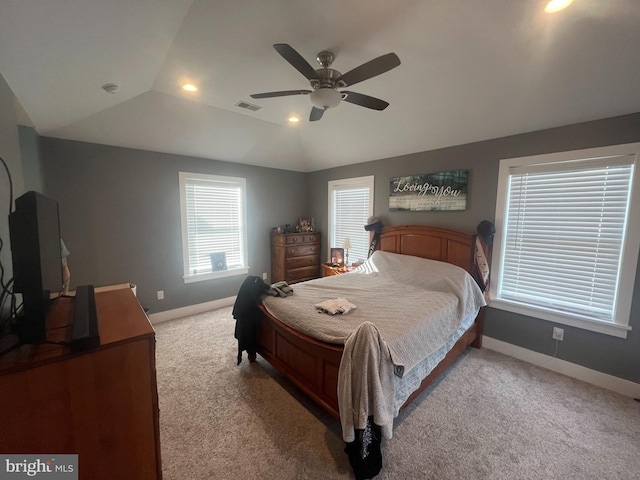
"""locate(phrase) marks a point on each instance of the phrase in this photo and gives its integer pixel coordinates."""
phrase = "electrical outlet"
(558, 333)
(264, 276)
(160, 294)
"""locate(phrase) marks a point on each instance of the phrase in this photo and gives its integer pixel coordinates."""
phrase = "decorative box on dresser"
(101, 404)
(295, 257)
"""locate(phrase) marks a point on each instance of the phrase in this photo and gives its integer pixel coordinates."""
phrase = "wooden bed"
(313, 365)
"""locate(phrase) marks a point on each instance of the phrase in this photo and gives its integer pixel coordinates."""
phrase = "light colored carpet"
(489, 417)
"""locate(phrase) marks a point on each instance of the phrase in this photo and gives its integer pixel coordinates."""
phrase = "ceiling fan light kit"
(325, 97)
(325, 81)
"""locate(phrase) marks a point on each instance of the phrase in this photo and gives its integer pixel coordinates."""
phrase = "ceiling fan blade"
(368, 70)
(296, 60)
(364, 100)
(283, 93)
(316, 114)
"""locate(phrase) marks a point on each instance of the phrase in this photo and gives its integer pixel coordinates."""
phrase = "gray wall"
(10, 153)
(120, 217)
(600, 352)
(30, 157)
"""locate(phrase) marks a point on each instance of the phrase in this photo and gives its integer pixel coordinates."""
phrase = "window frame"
(346, 184)
(630, 241)
(183, 178)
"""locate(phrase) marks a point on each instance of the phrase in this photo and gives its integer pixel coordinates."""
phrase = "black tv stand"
(84, 331)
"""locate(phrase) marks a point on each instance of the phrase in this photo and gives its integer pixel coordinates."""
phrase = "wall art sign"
(434, 191)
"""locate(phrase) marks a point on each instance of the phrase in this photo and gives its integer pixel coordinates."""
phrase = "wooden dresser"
(101, 404)
(295, 257)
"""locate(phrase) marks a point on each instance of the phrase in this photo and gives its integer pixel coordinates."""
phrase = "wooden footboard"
(310, 364)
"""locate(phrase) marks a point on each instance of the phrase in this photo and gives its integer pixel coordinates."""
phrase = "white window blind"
(567, 242)
(213, 222)
(564, 233)
(350, 206)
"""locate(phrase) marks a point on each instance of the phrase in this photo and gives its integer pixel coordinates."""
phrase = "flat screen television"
(34, 230)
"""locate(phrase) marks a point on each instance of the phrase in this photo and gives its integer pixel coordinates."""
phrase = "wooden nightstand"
(328, 271)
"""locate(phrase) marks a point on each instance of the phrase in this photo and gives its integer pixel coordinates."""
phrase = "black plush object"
(373, 225)
(486, 230)
(365, 454)
(247, 313)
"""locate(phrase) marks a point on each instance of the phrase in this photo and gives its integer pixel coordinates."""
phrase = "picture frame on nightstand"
(337, 257)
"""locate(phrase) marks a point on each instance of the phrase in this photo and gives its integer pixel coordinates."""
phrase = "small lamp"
(346, 245)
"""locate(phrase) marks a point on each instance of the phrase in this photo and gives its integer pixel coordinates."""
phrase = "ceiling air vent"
(248, 106)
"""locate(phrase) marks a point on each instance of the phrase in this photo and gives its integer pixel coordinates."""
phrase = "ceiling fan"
(325, 81)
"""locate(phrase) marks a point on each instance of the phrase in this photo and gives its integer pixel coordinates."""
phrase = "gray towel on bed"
(280, 289)
(335, 306)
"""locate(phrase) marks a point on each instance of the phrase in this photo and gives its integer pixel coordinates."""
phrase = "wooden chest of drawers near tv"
(101, 404)
(295, 257)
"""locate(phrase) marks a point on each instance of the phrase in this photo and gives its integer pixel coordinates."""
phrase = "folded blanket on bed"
(336, 305)
(280, 289)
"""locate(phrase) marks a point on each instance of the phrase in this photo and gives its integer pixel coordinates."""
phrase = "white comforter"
(415, 304)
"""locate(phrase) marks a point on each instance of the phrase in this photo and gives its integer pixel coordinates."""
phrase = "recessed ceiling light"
(293, 119)
(557, 5)
(189, 87)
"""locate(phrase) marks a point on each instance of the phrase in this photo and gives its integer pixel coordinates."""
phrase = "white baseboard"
(190, 310)
(604, 380)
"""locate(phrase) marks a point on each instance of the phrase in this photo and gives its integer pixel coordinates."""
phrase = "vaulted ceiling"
(470, 70)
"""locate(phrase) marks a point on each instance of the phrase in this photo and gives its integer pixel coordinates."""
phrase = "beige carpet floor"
(489, 417)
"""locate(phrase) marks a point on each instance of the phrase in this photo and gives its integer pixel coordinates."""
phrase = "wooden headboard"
(435, 243)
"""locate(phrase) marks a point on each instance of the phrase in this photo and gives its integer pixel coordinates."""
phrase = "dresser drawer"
(298, 262)
(302, 238)
(304, 273)
(302, 250)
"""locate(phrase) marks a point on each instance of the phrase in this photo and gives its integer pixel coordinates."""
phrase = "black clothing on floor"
(246, 313)
(365, 455)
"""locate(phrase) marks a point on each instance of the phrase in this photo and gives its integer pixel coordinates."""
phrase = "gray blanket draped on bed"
(365, 382)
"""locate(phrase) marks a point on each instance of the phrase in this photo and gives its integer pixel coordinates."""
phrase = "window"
(350, 206)
(214, 242)
(566, 245)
